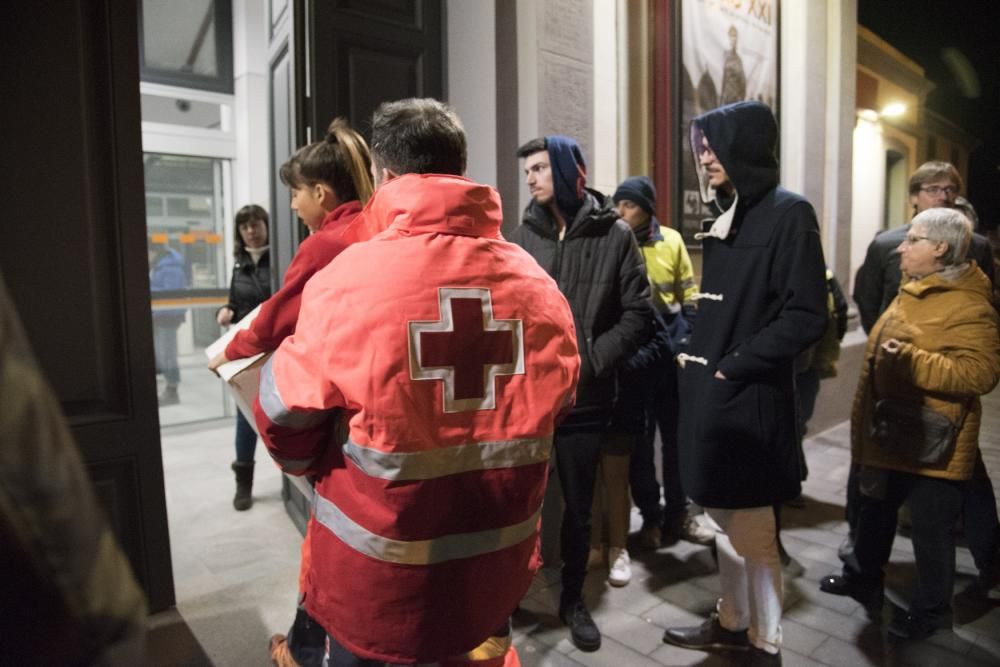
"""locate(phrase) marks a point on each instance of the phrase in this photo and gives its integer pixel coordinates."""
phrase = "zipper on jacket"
(557, 263)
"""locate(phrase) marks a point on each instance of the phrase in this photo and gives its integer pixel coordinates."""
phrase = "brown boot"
(281, 655)
(244, 483)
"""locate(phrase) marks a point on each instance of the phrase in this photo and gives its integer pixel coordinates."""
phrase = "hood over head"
(743, 136)
(569, 174)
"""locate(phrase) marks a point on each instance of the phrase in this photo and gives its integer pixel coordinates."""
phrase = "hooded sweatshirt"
(762, 302)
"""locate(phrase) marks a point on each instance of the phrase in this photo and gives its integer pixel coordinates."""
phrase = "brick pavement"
(678, 585)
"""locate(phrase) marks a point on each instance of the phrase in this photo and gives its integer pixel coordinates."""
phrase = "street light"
(893, 110)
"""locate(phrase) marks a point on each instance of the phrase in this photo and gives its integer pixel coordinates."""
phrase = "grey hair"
(949, 226)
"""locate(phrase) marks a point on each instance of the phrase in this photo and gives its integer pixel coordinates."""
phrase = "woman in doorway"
(250, 286)
(330, 182)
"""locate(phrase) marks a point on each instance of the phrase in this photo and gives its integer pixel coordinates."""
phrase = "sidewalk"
(236, 575)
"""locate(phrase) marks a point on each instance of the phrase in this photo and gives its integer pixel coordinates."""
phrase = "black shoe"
(582, 628)
(908, 626)
(758, 657)
(871, 599)
(708, 635)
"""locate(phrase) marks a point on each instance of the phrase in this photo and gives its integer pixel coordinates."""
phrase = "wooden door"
(365, 52)
(74, 250)
(352, 56)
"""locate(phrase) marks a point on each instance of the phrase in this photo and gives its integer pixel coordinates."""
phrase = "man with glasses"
(933, 184)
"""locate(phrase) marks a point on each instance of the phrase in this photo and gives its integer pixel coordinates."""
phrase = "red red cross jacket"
(279, 313)
(452, 353)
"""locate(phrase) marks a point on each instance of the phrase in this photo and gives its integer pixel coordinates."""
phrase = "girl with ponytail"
(330, 182)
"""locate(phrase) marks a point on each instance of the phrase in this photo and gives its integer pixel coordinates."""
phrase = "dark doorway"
(75, 258)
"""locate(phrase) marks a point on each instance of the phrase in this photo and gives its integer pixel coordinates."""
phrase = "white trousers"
(749, 573)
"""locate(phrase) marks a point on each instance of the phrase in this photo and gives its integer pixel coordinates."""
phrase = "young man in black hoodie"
(763, 301)
(576, 236)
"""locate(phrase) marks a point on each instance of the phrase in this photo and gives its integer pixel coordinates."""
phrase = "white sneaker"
(621, 569)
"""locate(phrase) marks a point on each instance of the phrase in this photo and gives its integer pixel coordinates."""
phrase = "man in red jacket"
(448, 354)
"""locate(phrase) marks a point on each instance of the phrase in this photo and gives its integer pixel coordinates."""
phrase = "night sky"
(922, 31)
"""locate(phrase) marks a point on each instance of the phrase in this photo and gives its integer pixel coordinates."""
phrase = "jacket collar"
(434, 203)
(340, 216)
(968, 279)
(596, 207)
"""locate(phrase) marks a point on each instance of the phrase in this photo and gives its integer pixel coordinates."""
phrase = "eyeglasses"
(913, 238)
(935, 190)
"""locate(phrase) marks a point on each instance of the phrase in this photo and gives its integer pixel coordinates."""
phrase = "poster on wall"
(729, 53)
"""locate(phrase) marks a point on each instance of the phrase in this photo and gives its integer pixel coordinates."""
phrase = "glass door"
(186, 214)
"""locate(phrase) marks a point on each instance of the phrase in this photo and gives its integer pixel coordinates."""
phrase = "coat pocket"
(732, 414)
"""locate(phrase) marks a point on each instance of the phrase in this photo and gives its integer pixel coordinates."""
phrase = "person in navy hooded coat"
(763, 301)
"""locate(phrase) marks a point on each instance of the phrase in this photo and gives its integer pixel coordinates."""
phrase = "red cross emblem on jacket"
(467, 348)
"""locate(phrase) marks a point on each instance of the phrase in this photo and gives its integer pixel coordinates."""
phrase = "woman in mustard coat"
(936, 345)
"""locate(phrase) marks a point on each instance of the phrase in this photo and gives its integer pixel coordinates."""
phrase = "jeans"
(935, 505)
(246, 439)
(165, 351)
(749, 574)
(577, 455)
(661, 403)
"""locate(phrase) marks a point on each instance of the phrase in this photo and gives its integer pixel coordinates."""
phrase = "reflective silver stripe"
(293, 465)
(706, 295)
(445, 461)
(274, 407)
(421, 552)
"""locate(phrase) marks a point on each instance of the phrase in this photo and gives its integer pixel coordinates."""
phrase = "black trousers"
(577, 455)
(661, 403)
(935, 506)
(979, 508)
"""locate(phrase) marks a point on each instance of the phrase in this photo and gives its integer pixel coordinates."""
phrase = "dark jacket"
(250, 286)
(600, 271)
(877, 281)
(763, 301)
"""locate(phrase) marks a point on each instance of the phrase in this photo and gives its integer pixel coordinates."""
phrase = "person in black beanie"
(575, 234)
(673, 287)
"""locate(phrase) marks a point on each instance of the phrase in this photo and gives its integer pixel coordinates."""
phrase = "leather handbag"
(906, 428)
(913, 431)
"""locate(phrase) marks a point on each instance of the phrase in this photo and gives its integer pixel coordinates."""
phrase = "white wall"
(472, 83)
(818, 55)
(602, 169)
(251, 181)
(869, 190)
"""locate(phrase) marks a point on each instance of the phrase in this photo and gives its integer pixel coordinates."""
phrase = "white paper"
(227, 370)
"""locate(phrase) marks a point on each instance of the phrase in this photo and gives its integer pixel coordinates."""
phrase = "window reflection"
(185, 226)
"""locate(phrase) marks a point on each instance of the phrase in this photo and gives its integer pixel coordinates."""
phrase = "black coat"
(877, 281)
(763, 302)
(251, 285)
(600, 271)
